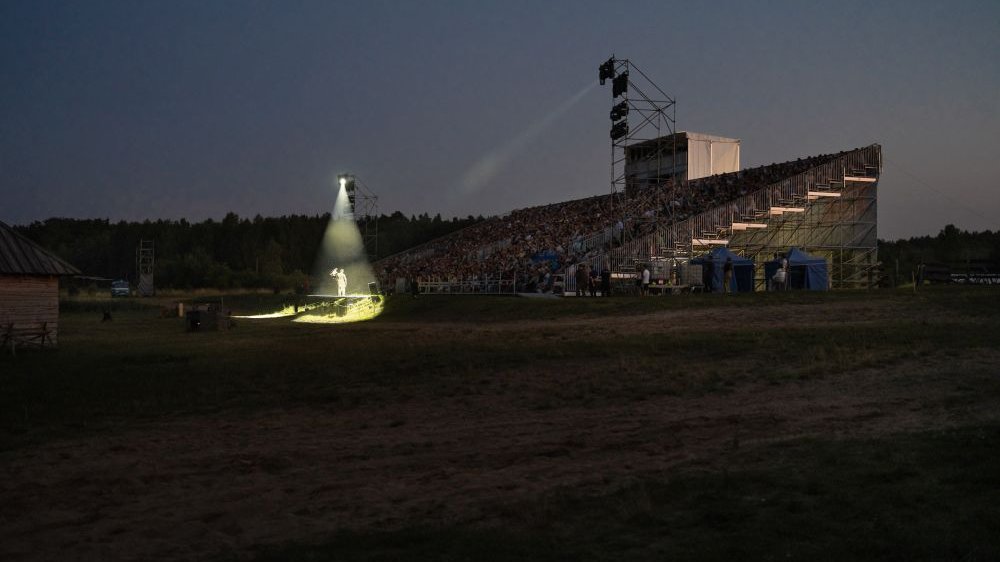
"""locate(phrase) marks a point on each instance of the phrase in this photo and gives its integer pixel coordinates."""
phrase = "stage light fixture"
(619, 85)
(347, 183)
(619, 130)
(619, 111)
(606, 70)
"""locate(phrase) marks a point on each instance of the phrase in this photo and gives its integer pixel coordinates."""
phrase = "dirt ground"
(200, 486)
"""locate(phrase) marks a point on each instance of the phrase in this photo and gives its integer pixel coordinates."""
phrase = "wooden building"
(29, 290)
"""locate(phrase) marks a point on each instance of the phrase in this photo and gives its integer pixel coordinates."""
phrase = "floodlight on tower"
(348, 185)
(619, 85)
(606, 70)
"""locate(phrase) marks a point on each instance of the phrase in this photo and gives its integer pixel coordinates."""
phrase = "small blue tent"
(804, 271)
(742, 269)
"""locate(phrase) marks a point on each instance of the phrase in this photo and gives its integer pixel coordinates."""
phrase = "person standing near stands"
(645, 280)
(592, 284)
(581, 280)
(780, 279)
(708, 269)
(727, 275)
(606, 282)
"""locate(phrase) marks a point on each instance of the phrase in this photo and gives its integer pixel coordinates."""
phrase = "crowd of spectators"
(524, 244)
(685, 201)
(530, 244)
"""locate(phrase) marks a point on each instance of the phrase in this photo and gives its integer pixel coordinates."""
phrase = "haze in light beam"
(342, 247)
(486, 168)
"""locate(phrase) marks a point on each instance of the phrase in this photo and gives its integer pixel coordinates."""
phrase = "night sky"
(135, 110)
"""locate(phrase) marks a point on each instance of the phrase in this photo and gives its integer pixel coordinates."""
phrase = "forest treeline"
(262, 252)
(952, 249)
(278, 252)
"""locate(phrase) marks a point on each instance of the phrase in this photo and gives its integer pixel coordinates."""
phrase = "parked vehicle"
(120, 288)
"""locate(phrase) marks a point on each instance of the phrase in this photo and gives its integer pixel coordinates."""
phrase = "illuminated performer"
(341, 284)
(335, 275)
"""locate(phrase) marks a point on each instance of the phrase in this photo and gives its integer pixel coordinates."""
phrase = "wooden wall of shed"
(28, 300)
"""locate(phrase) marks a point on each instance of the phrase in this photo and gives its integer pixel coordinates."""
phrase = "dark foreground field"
(837, 426)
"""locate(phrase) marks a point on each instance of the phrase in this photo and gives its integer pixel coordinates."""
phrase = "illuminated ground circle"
(329, 309)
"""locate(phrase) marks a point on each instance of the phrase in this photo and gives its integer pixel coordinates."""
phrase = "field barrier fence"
(476, 285)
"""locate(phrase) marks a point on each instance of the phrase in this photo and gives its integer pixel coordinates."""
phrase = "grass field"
(833, 426)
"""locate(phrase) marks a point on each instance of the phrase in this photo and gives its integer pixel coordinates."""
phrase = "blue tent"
(804, 271)
(742, 269)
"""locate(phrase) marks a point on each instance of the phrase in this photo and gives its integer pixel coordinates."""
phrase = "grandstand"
(826, 205)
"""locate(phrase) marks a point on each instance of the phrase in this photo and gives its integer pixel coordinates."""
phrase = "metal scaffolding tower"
(644, 123)
(144, 262)
(364, 209)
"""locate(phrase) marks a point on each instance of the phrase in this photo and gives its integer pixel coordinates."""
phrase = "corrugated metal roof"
(21, 256)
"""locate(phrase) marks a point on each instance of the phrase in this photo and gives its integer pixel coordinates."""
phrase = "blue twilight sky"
(134, 110)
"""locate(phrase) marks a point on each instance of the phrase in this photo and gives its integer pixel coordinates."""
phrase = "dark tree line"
(272, 252)
(278, 252)
(953, 249)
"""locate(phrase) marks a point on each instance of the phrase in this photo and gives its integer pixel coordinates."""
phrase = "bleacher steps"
(778, 211)
(748, 225)
(709, 242)
(814, 195)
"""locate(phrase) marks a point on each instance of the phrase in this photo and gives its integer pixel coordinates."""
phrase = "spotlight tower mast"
(643, 132)
(365, 213)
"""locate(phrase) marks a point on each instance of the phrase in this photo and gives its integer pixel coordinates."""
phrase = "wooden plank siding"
(29, 300)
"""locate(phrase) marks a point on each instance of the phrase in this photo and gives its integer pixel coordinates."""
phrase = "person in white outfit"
(342, 284)
(335, 275)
